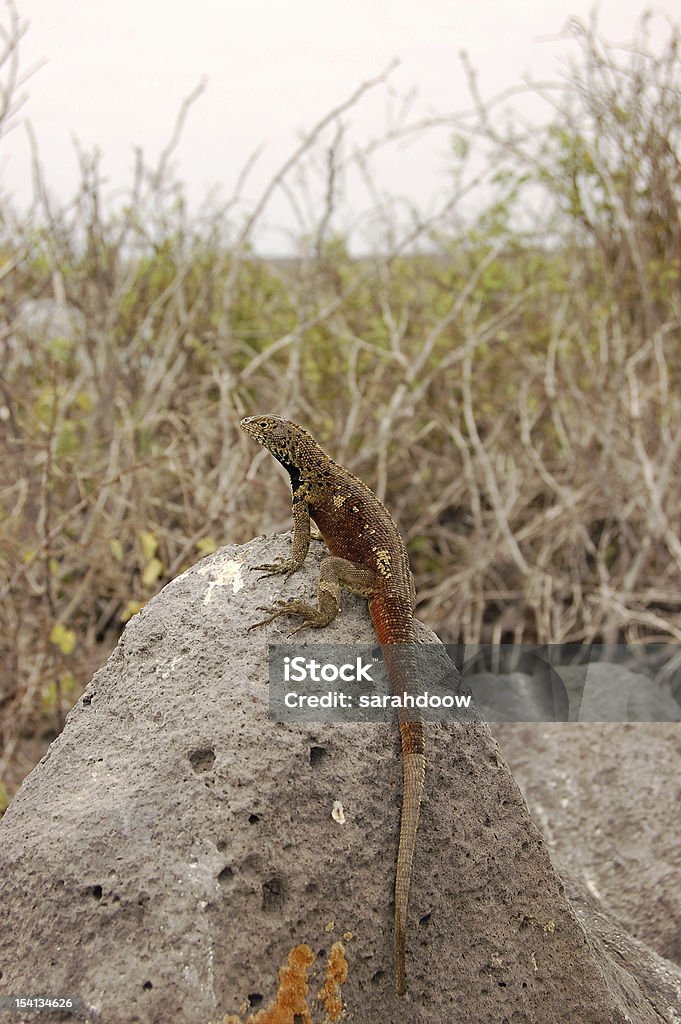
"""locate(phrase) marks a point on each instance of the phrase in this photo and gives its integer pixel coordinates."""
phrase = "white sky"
(117, 71)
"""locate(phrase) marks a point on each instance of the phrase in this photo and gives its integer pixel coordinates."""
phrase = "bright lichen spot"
(226, 574)
(336, 975)
(290, 1003)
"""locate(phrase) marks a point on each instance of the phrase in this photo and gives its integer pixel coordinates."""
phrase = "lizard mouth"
(266, 429)
(253, 426)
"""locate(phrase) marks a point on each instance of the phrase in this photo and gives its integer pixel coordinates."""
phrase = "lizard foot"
(284, 565)
(263, 622)
(312, 616)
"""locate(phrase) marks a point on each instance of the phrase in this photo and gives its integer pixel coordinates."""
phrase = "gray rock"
(517, 697)
(592, 692)
(605, 692)
(174, 845)
(607, 798)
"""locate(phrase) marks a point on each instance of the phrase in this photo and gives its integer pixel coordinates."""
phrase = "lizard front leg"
(334, 573)
(300, 543)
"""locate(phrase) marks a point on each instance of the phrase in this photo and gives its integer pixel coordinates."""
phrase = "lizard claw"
(280, 568)
(275, 610)
(303, 625)
(254, 625)
(262, 622)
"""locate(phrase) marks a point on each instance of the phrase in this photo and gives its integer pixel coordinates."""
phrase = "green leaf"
(149, 543)
(84, 401)
(152, 571)
(207, 545)
(67, 439)
(63, 638)
(60, 349)
(116, 549)
(48, 696)
(131, 608)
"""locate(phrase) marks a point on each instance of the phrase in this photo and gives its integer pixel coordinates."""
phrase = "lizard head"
(288, 442)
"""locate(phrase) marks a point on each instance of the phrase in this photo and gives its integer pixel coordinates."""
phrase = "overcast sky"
(116, 72)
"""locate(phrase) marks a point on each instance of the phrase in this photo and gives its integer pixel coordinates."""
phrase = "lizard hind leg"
(311, 615)
(334, 573)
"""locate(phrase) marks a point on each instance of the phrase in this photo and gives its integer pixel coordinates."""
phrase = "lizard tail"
(414, 774)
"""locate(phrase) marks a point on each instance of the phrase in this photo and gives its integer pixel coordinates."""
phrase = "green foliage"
(63, 638)
(64, 689)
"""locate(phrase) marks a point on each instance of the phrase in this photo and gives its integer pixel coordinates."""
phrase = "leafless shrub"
(510, 388)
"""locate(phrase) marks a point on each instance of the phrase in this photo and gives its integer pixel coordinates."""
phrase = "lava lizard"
(368, 557)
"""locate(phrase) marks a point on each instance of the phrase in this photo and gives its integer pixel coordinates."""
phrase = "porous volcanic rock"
(174, 846)
(607, 798)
